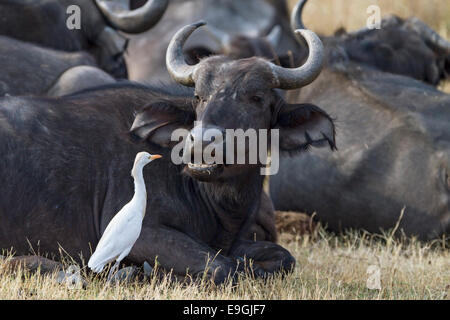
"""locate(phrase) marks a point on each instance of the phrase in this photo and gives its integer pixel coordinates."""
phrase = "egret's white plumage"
(125, 227)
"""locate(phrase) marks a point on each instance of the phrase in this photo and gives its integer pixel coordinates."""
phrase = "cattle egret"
(125, 227)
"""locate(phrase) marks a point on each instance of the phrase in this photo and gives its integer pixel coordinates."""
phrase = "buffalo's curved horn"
(296, 16)
(431, 36)
(274, 36)
(177, 67)
(119, 15)
(287, 79)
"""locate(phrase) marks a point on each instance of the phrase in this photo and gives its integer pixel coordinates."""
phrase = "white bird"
(125, 227)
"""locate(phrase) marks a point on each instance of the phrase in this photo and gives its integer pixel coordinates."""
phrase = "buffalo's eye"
(257, 99)
(197, 98)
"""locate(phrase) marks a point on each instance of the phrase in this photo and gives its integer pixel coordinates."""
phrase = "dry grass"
(445, 87)
(328, 267)
(326, 16)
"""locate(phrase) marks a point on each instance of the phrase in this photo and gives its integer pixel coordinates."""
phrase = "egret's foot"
(112, 271)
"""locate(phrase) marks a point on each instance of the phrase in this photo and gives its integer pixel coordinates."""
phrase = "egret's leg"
(113, 270)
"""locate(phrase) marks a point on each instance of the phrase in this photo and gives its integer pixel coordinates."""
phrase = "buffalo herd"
(78, 104)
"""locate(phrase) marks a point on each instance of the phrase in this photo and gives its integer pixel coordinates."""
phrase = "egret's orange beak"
(155, 156)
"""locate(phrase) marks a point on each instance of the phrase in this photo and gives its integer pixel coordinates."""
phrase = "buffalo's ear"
(304, 125)
(156, 121)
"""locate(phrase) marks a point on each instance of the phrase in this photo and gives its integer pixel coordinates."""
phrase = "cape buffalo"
(393, 154)
(406, 47)
(44, 22)
(251, 18)
(30, 69)
(66, 163)
(402, 46)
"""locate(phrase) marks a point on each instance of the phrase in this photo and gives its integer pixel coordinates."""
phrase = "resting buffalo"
(393, 154)
(406, 47)
(402, 46)
(30, 69)
(44, 22)
(66, 163)
(250, 18)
